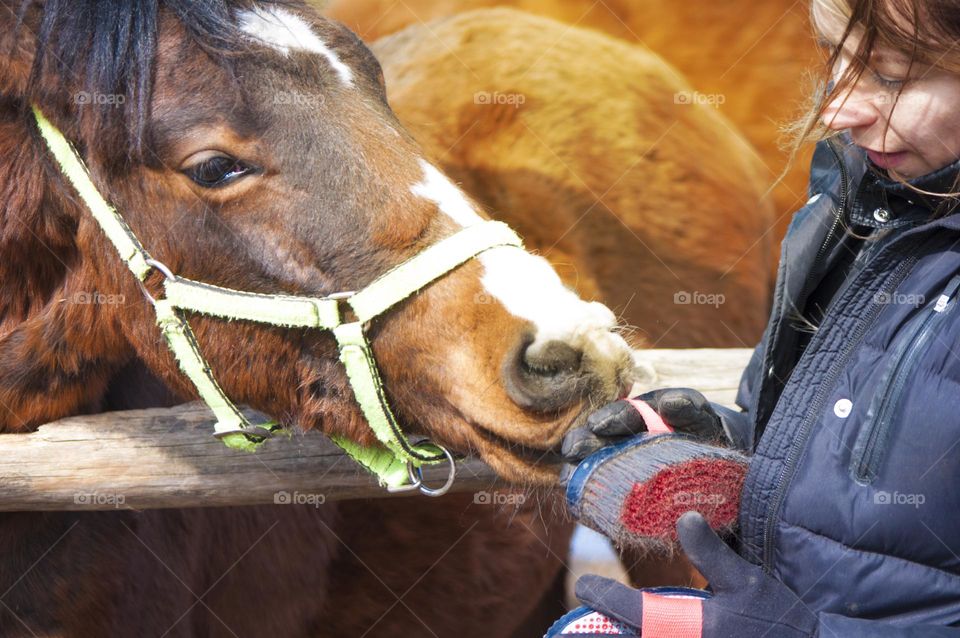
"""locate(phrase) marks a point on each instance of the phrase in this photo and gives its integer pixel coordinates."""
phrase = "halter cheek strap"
(396, 462)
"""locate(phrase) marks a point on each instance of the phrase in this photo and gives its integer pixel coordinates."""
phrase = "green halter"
(397, 462)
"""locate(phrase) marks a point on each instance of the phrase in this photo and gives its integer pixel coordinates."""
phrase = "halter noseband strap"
(397, 463)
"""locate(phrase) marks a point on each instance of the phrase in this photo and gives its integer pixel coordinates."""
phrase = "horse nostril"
(551, 359)
(544, 377)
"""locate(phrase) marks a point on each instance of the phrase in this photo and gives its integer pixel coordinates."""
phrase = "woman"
(849, 522)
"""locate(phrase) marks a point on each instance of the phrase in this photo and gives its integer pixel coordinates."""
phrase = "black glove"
(681, 409)
(745, 602)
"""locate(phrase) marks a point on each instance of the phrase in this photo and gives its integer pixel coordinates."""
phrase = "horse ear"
(19, 22)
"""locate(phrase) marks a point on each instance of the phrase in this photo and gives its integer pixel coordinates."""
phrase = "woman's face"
(910, 135)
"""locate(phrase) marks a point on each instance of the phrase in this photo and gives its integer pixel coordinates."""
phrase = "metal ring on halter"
(416, 475)
(406, 488)
(166, 272)
(162, 268)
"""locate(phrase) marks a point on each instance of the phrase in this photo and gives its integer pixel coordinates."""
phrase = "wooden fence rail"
(167, 457)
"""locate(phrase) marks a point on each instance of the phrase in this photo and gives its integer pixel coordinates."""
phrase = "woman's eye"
(218, 171)
(888, 83)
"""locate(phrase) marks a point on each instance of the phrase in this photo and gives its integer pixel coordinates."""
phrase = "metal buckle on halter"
(162, 268)
(416, 478)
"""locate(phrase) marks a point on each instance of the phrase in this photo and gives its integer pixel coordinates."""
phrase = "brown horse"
(748, 58)
(251, 146)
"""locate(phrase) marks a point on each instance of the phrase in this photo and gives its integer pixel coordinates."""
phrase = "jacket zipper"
(844, 188)
(866, 463)
(822, 251)
(813, 411)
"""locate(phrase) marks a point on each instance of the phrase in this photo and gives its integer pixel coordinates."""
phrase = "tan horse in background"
(642, 200)
(751, 56)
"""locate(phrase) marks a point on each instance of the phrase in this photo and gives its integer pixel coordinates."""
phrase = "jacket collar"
(884, 203)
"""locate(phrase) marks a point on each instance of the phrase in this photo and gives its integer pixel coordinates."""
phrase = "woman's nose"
(850, 110)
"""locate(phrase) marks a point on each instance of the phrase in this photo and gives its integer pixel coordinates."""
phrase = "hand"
(745, 602)
(680, 409)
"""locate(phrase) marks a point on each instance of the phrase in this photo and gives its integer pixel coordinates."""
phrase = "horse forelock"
(103, 52)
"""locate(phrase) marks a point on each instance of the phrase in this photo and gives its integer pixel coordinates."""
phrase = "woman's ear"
(19, 21)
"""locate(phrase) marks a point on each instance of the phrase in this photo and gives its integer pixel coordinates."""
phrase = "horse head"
(251, 146)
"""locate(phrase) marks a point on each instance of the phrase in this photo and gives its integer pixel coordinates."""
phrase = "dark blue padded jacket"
(851, 498)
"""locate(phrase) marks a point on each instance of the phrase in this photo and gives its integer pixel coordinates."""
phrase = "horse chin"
(518, 468)
(522, 463)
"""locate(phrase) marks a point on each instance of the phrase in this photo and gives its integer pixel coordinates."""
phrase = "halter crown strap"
(392, 463)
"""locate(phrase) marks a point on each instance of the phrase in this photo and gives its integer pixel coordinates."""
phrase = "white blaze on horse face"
(527, 285)
(283, 31)
(437, 188)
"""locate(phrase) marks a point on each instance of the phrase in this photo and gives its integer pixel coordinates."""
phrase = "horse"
(250, 146)
(754, 71)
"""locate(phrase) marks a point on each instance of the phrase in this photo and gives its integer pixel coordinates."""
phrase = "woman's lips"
(886, 160)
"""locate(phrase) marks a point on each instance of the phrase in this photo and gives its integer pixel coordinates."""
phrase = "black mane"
(108, 47)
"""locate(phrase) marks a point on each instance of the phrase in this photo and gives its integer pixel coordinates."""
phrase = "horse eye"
(218, 171)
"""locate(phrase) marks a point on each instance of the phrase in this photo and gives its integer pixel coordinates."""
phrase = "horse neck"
(58, 346)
